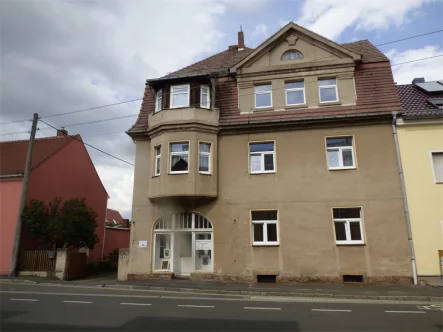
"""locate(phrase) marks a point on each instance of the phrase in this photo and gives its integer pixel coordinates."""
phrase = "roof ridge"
(37, 139)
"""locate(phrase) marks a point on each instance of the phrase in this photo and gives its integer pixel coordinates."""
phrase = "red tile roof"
(13, 153)
(112, 215)
(375, 87)
(415, 101)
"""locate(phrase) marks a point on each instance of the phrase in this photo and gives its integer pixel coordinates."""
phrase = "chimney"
(418, 80)
(241, 40)
(62, 132)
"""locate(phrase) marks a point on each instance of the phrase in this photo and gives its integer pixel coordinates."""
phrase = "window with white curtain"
(158, 101)
(180, 96)
(340, 152)
(157, 159)
(262, 157)
(204, 96)
(204, 158)
(179, 158)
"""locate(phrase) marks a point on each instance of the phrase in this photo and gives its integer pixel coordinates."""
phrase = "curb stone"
(417, 298)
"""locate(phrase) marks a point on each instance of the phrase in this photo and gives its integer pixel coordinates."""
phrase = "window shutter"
(195, 95)
(166, 96)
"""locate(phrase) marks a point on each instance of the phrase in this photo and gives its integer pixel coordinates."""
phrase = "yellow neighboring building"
(420, 136)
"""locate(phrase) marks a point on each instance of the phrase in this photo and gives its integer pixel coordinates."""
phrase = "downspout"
(405, 200)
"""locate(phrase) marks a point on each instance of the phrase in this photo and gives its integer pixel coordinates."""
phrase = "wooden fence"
(37, 260)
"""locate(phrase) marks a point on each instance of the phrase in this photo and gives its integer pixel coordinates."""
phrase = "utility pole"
(18, 226)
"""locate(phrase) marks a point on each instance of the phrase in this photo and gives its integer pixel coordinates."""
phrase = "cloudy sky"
(60, 56)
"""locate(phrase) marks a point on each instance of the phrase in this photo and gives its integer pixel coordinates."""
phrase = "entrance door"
(183, 254)
(203, 251)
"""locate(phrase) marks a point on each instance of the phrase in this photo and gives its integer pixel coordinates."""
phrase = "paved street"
(61, 308)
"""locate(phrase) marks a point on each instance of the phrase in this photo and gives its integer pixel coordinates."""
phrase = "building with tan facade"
(271, 164)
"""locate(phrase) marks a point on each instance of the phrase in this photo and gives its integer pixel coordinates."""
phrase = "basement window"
(267, 278)
(352, 279)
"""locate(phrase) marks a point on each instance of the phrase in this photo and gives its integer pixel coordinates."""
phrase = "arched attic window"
(291, 55)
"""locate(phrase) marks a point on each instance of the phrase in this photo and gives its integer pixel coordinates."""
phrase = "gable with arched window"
(291, 55)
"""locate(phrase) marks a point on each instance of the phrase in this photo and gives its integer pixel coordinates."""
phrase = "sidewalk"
(368, 292)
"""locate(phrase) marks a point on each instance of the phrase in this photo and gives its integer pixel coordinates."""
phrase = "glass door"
(203, 251)
(162, 252)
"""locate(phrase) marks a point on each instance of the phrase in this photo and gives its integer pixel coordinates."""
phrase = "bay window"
(179, 158)
(180, 96)
(158, 101)
(157, 160)
(204, 158)
(204, 97)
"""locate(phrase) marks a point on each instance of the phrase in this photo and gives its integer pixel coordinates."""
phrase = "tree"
(61, 224)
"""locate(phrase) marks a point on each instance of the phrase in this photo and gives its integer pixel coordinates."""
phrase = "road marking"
(29, 300)
(333, 310)
(77, 301)
(261, 308)
(196, 306)
(135, 303)
(405, 312)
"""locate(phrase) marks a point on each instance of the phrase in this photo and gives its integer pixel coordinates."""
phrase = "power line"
(90, 109)
(431, 57)
(98, 121)
(91, 146)
(416, 36)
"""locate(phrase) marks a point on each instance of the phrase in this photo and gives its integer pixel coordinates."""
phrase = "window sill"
(342, 168)
(359, 244)
(178, 173)
(156, 176)
(258, 173)
(264, 109)
(329, 103)
(204, 173)
(265, 244)
(291, 107)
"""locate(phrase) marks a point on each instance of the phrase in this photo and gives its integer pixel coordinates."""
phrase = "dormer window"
(179, 96)
(291, 55)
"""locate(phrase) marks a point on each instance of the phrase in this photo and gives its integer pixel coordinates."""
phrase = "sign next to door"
(203, 244)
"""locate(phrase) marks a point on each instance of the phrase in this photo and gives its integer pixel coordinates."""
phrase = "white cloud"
(246, 5)
(78, 54)
(118, 181)
(431, 69)
(260, 30)
(330, 18)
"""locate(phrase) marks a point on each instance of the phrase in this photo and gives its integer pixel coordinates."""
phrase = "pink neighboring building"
(117, 233)
(61, 167)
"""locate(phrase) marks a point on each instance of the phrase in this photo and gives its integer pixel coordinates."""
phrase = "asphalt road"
(60, 308)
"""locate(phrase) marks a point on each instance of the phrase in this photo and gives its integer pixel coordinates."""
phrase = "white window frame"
(295, 89)
(434, 175)
(262, 158)
(347, 221)
(177, 154)
(205, 154)
(157, 159)
(328, 87)
(262, 93)
(208, 94)
(340, 151)
(172, 94)
(265, 241)
(158, 101)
